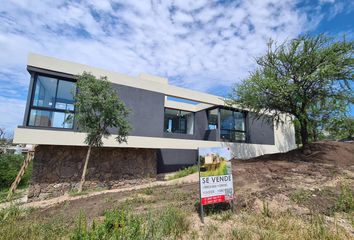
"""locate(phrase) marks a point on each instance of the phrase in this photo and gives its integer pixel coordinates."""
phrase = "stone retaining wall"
(58, 169)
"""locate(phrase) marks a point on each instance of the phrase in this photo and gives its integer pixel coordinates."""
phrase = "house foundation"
(58, 169)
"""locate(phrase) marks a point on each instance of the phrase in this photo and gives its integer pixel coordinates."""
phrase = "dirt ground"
(290, 182)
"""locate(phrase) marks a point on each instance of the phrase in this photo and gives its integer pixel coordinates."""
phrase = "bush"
(10, 165)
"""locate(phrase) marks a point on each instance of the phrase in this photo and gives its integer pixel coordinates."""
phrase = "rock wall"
(58, 169)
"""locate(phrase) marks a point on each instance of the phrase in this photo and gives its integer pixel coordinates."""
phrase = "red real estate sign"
(213, 199)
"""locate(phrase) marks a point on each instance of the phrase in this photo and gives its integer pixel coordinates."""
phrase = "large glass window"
(178, 121)
(213, 116)
(232, 125)
(52, 103)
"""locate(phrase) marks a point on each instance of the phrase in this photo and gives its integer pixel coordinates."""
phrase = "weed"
(121, 224)
(224, 216)
(13, 225)
(241, 234)
(148, 191)
(301, 196)
(265, 210)
(345, 201)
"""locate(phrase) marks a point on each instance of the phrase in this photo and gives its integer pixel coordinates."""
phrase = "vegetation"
(307, 77)
(184, 172)
(121, 224)
(10, 165)
(98, 109)
(300, 196)
(14, 225)
(341, 128)
(345, 202)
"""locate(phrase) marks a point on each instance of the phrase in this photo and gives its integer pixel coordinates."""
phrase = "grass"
(345, 201)
(286, 226)
(170, 223)
(148, 191)
(14, 224)
(300, 196)
(10, 165)
(4, 192)
(184, 172)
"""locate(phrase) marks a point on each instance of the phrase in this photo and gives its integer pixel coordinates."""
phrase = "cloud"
(11, 112)
(197, 44)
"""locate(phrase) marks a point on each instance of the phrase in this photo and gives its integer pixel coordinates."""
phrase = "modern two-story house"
(169, 124)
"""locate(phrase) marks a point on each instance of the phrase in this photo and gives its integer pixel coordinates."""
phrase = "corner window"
(178, 121)
(52, 103)
(232, 126)
(213, 116)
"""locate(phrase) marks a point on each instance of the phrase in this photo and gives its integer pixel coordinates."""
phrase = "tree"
(341, 128)
(296, 77)
(98, 109)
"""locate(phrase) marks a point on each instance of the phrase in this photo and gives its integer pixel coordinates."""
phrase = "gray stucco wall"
(147, 110)
(260, 131)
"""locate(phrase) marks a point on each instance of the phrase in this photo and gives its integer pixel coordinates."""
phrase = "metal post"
(200, 193)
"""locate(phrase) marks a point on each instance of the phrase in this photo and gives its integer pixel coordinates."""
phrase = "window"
(52, 103)
(232, 125)
(178, 121)
(213, 116)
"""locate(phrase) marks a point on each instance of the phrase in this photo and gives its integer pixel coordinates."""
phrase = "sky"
(197, 44)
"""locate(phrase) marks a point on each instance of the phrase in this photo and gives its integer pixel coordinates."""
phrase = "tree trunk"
(303, 132)
(314, 133)
(84, 170)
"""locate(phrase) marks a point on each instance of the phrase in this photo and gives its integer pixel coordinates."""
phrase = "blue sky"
(197, 44)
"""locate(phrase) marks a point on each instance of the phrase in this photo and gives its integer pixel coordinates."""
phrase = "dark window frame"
(233, 131)
(179, 120)
(53, 109)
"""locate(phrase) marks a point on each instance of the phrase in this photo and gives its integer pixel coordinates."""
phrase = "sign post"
(215, 177)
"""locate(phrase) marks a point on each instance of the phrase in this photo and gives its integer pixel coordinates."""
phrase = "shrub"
(10, 165)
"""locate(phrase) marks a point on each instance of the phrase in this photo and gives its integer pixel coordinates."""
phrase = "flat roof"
(143, 81)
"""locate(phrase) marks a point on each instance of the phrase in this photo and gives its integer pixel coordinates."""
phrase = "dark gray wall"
(147, 110)
(169, 160)
(201, 124)
(260, 131)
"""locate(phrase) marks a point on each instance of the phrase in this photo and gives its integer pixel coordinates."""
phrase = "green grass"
(170, 223)
(4, 192)
(184, 172)
(10, 165)
(14, 225)
(300, 196)
(345, 201)
(148, 191)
